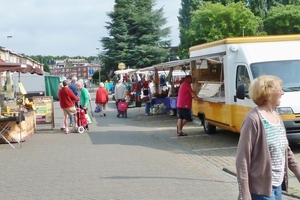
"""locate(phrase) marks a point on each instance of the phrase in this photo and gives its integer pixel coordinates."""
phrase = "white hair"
(74, 78)
(101, 84)
(79, 83)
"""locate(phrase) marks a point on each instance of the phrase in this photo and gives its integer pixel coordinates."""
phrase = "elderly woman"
(263, 154)
(101, 98)
(84, 97)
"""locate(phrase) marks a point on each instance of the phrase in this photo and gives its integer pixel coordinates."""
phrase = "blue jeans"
(71, 119)
(276, 195)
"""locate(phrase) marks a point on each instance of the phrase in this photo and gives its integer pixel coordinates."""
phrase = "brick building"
(74, 67)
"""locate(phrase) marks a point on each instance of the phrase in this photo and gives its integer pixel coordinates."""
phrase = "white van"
(220, 67)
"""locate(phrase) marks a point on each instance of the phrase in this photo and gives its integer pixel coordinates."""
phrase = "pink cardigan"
(253, 161)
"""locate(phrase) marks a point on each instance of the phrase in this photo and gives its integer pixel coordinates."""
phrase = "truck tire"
(208, 128)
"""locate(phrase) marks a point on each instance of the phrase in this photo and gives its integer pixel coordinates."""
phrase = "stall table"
(170, 102)
(13, 131)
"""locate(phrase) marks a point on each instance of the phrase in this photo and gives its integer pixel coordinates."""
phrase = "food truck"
(222, 71)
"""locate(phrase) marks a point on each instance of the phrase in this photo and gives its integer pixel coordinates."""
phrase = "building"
(74, 67)
(7, 55)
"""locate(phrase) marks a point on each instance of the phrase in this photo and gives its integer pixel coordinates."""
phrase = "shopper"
(84, 97)
(263, 153)
(72, 86)
(184, 104)
(120, 92)
(101, 99)
(66, 100)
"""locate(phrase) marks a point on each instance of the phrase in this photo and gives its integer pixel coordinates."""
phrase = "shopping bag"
(89, 119)
(97, 109)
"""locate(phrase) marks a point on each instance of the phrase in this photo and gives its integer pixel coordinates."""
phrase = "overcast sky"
(64, 27)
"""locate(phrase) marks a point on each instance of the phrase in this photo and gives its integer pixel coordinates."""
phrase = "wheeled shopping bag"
(122, 108)
(82, 121)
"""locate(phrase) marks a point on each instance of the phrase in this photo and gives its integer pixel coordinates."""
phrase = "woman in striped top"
(263, 154)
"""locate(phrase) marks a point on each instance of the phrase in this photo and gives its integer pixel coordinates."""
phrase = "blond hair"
(60, 85)
(262, 87)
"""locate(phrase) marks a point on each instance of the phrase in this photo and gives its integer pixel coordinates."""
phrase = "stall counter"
(12, 132)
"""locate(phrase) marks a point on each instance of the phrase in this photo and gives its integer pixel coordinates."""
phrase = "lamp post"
(99, 65)
(243, 31)
(8, 37)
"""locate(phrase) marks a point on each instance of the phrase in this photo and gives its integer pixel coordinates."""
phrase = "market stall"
(135, 82)
(167, 78)
(17, 115)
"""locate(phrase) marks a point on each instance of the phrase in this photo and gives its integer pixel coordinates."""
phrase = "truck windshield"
(288, 71)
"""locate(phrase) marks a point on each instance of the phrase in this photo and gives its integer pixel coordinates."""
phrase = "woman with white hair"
(101, 99)
(84, 100)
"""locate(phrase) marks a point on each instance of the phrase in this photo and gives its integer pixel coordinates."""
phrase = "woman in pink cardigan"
(263, 153)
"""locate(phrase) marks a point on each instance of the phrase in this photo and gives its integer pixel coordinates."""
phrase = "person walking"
(263, 153)
(66, 100)
(84, 97)
(184, 104)
(72, 86)
(120, 93)
(101, 99)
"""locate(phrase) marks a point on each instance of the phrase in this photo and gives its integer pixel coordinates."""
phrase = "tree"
(216, 21)
(136, 36)
(184, 18)
(283, 20)
(261, 8)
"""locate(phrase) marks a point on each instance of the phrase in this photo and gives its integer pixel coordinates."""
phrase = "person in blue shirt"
(72, 86)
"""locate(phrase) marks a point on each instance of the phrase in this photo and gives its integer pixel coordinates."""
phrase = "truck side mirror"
(240, 92)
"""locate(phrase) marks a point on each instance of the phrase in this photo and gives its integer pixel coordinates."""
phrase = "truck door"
(242, 106)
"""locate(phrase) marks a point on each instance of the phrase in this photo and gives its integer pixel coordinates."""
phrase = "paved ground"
(134, 158)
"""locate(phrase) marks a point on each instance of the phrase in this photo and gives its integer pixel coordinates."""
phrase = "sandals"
(181, 134)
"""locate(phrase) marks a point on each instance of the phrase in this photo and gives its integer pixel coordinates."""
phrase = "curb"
(283, 192)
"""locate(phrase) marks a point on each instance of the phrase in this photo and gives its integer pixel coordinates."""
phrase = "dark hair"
(65, 83)
(188, 76)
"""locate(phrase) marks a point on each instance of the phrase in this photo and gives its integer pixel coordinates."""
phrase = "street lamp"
(8, 37)
(99, 65)
(243, 31)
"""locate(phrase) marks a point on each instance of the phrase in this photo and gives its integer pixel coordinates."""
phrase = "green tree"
(42, 60)
(184, 18)
(283, 20)
(136, 36)
(216, 21)
(261, 8)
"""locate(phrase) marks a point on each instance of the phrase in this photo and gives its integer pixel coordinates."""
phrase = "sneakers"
(104, 115)
(71, 125)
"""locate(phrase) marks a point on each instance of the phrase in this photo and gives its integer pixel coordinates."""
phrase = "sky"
(65, 27)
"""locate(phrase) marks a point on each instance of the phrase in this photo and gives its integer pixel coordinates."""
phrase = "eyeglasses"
(279, 91)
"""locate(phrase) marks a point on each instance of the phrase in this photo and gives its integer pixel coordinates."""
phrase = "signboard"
(91, 71)
(44, 109)
(121, 66)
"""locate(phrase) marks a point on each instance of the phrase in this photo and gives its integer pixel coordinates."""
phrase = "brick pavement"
(117, 159)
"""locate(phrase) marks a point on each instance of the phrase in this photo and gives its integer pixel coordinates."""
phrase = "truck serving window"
(288, 71)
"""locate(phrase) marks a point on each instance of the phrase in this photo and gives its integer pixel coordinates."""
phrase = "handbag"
(97, 109)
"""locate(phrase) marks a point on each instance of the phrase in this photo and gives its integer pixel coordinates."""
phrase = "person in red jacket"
(66, 100)
(101, 99)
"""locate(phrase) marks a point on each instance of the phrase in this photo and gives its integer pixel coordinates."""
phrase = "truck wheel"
(208, 128)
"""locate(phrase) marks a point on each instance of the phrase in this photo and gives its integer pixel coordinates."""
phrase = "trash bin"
(147, 107)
